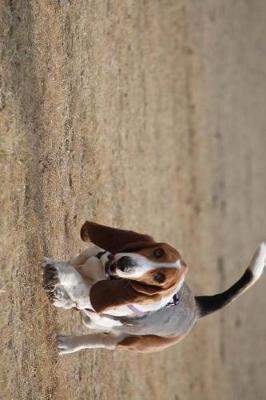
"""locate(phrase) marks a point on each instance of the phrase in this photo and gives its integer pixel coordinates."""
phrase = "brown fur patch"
(172, 277)
(170, 253)
(111, 239)
(107, 294)
(147, 343)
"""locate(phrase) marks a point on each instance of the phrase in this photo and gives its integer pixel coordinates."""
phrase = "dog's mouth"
(110, 268)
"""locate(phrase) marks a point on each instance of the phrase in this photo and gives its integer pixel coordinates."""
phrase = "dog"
(131, 291)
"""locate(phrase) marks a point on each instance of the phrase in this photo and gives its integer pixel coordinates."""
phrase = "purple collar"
(135, 310)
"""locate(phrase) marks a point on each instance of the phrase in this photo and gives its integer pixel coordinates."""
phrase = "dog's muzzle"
(125, 264)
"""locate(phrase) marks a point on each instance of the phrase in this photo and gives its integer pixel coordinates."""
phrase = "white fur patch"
(258, 261)
(143, 265)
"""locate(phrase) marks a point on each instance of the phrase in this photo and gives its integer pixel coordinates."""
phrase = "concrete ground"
(147, 115)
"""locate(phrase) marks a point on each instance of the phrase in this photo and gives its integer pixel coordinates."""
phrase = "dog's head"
(148, 270)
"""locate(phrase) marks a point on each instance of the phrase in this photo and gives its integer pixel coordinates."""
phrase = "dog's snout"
(125, 263)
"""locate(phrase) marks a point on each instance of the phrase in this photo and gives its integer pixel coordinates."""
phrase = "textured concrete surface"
(147, 115)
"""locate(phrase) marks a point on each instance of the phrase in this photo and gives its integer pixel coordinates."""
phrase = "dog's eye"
(158, 253)
(159, 277)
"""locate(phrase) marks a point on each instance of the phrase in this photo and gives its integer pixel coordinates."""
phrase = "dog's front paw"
(61, 298)
(66, 344)
(50, 279)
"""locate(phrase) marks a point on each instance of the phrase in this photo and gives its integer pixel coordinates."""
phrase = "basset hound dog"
(131, 291)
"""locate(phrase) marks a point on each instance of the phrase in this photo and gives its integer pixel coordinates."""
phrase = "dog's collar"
(174, 301)
(136, 311)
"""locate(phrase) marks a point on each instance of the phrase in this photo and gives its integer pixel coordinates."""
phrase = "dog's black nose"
(125, 263)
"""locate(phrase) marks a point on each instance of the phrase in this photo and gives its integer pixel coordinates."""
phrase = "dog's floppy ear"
(111, 239)
(145, 289)
(117, 292)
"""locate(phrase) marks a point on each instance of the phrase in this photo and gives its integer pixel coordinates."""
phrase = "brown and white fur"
(143, 276)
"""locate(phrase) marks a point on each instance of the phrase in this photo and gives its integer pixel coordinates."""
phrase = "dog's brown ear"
(145, 289)
(117, 292)
(111, 239)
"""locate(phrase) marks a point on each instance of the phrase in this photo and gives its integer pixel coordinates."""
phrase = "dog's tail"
(209, 304)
